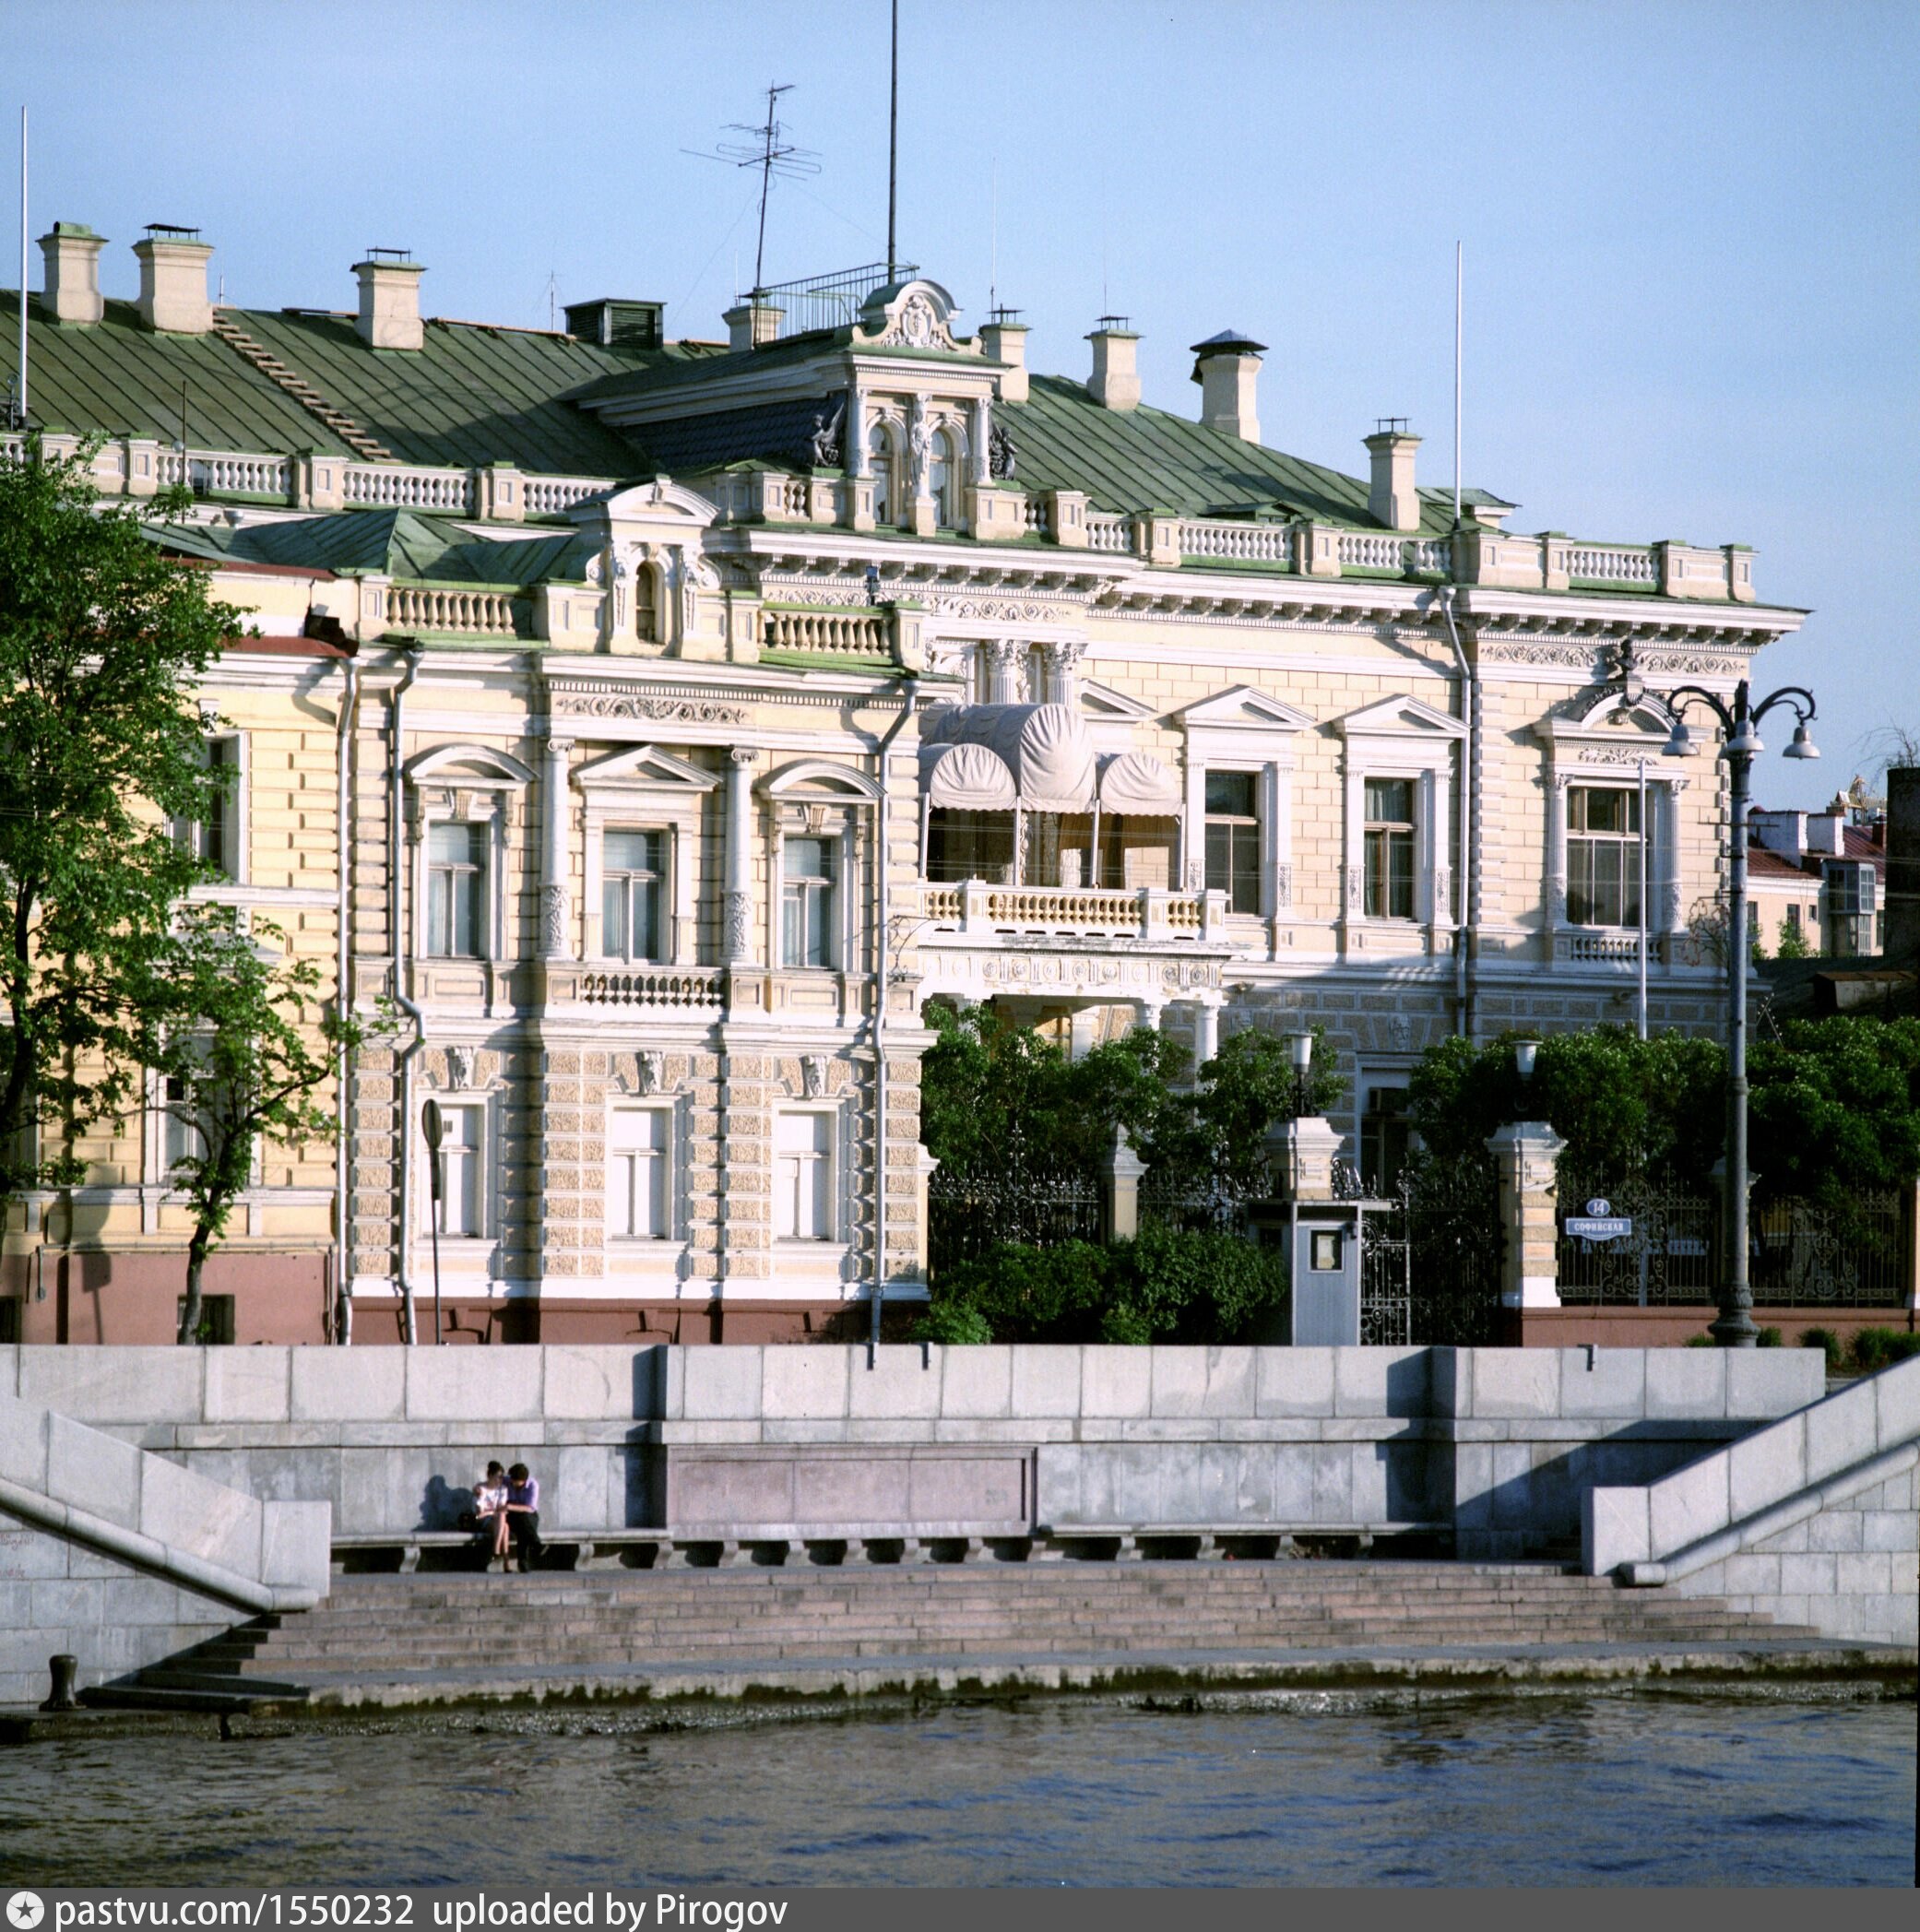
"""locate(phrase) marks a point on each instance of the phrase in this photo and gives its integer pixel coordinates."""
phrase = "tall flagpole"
(1458, 274)
(893, 145)
(20, 392)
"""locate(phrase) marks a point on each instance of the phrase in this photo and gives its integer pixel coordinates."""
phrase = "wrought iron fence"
(1669, 1254)
(1806, 1255)
(1205, 1204)
(1802, 1253)
(1430, 1259)
(969, 1214)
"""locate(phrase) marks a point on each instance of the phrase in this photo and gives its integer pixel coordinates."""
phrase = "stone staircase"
(302, 392)
(480, 1630)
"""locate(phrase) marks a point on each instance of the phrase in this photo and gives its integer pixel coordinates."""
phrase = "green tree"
(992, 1092)
(1793, 944)
(1619, 1102)
(245, 1049)
(1835, 1107)
(102, 640)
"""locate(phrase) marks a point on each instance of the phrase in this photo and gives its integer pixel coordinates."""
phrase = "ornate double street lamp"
(1735, 1328)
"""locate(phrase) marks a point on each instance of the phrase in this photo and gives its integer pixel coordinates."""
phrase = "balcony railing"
(682, 986)
(859, 635)
(134, 467)
(1069, 911)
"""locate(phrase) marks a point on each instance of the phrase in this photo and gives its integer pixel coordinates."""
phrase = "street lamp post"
(1300, 1050)
(1735, 1328)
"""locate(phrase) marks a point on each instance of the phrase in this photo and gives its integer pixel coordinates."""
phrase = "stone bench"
(776, 1545)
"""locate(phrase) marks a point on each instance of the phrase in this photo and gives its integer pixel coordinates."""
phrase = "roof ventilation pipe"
(1226, 367)
(72, 253)
(389, 300)
(174, 280)
(1115, 384)
(1391, 500)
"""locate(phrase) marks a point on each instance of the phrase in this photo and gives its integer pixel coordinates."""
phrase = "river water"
(1584, 1789)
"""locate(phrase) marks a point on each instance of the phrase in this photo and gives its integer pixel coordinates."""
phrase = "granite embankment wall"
(1813, 1519)
(1496, 1445)
(121, 1557)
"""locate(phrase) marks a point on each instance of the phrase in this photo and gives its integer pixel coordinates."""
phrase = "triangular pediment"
(646, 766)
(1100, 704)
(1400, 717)
(1243, 708)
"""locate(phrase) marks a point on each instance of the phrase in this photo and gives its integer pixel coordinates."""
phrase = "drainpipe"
(880, 1081)
(1470, 767)
(343, 999)
(410, 652)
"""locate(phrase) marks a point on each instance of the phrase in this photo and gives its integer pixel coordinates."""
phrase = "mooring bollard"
(63, 1668)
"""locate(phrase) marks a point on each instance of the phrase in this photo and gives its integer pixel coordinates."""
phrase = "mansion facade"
(657, 727)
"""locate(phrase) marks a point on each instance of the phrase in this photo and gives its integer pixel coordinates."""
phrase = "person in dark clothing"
(523, 1514)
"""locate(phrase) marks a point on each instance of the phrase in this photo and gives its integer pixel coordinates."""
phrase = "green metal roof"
(400, 543)
(122, 379)
(1147, 459)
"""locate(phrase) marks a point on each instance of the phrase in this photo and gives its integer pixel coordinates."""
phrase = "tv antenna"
(772, 154)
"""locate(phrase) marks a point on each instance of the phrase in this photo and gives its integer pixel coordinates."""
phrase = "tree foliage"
(1164, 1286)
(994, 1093)
(245, 1050)
(102, 640)
(1835, 1107)
(1619, 1102)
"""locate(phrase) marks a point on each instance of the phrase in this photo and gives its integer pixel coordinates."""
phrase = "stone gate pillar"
(1301, 1153)
(1527, 1154)
(1121, 1171)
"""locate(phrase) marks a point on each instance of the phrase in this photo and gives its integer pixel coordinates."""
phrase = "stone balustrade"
(1091, 912)
(865, 634)
(450, 612)
(690, 987)
(136, 467)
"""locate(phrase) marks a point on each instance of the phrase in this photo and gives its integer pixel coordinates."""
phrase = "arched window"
(941, 480)
(880, 460)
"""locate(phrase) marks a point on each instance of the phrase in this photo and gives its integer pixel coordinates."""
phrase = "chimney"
(1824, 830)
(1115, 384)
(1781, 832)
(1004, 339)
(389, 300)
(1391, 497)
(72, 251)
(753, 322)
(1226, 367)
(174, 280)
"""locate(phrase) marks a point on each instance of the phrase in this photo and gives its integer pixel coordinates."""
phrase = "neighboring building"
(1821, 874)
(924, 677)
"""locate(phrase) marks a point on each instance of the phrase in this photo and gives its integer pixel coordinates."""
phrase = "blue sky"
(1690, 229)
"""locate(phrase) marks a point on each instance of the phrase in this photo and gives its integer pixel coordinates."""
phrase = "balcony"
(1143, 915)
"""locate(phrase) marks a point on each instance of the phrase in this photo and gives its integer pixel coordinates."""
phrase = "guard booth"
(1324, 1251)
(1322, 1233)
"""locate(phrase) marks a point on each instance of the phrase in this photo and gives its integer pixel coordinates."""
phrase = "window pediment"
(644, 768)
(821, 781)
(468, 767)
(1399, 717)
(1243, 708)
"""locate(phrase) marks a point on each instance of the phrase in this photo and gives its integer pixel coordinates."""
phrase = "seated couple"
(507, 1514)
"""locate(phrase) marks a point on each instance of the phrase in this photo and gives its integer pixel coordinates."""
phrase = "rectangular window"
(1233, 839)
(215, 839)
(639, 1143)
(1602, 856)
(463, 1176)
(1383, 1140)
(803, 1177)
(216, 1319)
(1389, 848)
(807, 903)
(181, 1138)
(633, 877)
(457, 890)
(1793, 917)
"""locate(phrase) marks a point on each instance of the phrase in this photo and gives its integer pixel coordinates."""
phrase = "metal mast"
(20, 389)
(892, 144)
